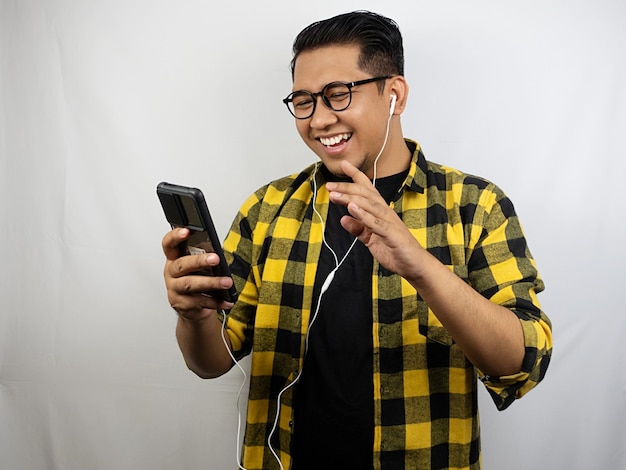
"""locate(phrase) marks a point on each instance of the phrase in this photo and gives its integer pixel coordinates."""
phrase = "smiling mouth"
(335, 140)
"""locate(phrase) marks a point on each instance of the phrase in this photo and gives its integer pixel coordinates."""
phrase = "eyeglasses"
(336, 96)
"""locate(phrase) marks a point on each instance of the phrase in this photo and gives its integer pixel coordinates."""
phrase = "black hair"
(378, 37)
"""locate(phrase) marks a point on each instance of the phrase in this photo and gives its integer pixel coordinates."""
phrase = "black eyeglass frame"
(325, 99)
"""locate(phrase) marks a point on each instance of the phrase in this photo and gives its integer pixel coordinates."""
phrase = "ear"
(398, 86)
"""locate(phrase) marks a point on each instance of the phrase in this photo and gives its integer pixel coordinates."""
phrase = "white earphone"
(392, 107)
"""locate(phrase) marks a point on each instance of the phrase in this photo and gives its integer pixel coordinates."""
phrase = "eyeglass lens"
(336, 96)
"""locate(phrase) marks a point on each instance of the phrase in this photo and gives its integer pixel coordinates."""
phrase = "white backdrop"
(102, 99)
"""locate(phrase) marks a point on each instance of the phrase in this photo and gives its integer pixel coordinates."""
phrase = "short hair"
(378, 37)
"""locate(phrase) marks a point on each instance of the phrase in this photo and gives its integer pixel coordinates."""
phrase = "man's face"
(355, 134)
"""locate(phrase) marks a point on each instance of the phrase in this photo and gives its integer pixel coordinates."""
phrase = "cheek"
(301, 128)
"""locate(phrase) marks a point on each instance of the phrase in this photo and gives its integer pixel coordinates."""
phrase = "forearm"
(489, 335)
(203, 347)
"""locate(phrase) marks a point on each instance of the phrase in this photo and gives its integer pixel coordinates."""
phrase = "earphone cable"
(325, 286)
(243, 383)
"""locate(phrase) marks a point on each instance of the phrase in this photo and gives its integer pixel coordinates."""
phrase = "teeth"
(328, 141)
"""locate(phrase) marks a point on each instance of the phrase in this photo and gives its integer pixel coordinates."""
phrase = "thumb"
(172, 240)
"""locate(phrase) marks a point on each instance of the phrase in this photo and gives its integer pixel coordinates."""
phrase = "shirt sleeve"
(239, 251)
(503, 270)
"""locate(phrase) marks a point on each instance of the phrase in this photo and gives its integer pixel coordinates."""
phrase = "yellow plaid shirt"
(425, 389)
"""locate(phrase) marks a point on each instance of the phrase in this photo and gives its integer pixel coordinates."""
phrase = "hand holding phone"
(186, 207)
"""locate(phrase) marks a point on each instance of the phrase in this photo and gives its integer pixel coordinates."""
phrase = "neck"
(395, 158)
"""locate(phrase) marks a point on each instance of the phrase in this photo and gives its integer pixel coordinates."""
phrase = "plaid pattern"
(425, 390)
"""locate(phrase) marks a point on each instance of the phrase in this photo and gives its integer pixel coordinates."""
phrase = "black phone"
(185, 206)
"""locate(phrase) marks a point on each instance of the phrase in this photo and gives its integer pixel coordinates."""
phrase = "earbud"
(392, 107)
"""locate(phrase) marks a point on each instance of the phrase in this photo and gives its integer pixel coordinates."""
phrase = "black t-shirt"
(334, 404)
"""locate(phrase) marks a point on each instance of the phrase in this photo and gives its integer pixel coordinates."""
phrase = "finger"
(353, 226)
(198, 283)
(210, 299)
(364, 220)
(184, 297)
(191, 274)
(362, 204)
(354, 173)
(344, 193)
(360, 185)
(189, 264)
(194, 292)
(198, 306)
(172, 239)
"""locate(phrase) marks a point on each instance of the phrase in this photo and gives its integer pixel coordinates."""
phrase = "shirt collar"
(416, 179)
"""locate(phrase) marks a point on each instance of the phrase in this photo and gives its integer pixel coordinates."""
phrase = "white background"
(101, 100)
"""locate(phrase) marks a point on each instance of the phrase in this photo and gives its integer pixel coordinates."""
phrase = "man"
(366, 353)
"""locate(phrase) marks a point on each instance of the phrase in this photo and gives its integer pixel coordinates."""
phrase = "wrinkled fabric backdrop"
(102, 100)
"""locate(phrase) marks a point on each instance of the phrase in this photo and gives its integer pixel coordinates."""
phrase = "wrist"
(195, 317)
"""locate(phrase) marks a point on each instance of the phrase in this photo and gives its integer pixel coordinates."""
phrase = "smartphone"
(186, 207)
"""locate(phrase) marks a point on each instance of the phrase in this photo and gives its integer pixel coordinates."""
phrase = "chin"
(334, 166)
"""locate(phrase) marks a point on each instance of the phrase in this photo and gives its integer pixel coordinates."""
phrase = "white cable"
(325, 286)
(243, 383)
(382, 148)
(320, 215)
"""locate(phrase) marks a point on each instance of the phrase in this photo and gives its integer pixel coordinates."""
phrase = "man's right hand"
(186, 292)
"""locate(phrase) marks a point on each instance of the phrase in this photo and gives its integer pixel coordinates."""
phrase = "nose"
(322, 116)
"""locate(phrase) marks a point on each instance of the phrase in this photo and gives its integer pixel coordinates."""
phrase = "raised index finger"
(360, 185)
(354, 173)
